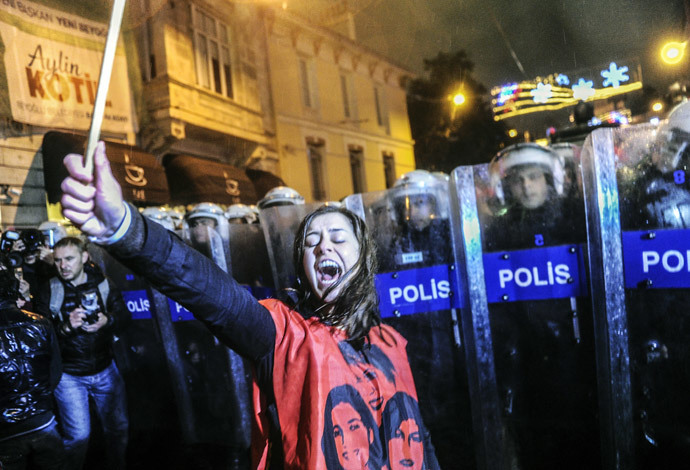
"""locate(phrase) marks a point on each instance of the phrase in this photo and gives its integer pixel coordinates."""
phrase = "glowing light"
(458, 99)
(512, 133)
(562, 80)
(507, 93)
(655, 121)
(656, 107)
(522, 107)
(615, 75)
(673, 52)
(542, 93)
(583, 90)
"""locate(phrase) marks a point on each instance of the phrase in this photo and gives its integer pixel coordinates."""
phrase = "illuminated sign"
(560, 90)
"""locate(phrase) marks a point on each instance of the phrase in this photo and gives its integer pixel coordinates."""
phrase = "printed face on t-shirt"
(405, 447)
(352, 437)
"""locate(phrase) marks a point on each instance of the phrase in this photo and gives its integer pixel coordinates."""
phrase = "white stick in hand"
(104, 81)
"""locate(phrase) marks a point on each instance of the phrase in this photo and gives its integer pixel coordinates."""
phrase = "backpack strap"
(57, 296)
(104, 290)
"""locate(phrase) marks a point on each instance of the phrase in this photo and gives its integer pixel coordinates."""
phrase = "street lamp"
(672, 52)
(458, 99)
(657, 106)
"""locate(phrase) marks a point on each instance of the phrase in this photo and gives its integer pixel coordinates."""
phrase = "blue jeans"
(107, 389)
(40, 449)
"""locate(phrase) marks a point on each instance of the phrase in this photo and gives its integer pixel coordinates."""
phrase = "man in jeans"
(87, 311)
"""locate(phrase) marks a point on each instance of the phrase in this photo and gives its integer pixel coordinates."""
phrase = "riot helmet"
(201, 218)
(569, 158)
(416, 197)
(177, 216)
(444, 178)
(281, 196)
(240, 214)
(206, 210)
(52, 232)
(526, 174)
(674, 140)
(159, 215)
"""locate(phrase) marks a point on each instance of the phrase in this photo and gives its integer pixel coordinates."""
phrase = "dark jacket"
(29, 371)
(85, 353)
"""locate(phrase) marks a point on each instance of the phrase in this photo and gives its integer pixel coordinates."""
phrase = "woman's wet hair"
(356, 308)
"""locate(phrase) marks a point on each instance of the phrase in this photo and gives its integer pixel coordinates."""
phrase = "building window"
(389, 169)
(348, 94)
(357, 169)
(307, 72)
(381, 108)
(315, 149)
(247, 55)
(212, 53)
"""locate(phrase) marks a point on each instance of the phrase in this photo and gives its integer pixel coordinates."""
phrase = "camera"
(89, 302)
(7, 240)
(33, 240)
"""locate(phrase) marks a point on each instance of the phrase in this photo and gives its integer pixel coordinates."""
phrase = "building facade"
(230, 82)
(340, 111)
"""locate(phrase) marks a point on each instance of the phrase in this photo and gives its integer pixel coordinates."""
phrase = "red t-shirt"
(332, 399)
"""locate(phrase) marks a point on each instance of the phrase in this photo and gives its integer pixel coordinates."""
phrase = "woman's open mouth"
(328, 271)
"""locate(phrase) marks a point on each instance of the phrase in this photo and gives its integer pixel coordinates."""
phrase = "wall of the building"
(186, 117)
(331, 56)
(22, 198)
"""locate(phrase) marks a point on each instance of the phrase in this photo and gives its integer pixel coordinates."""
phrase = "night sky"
(546, 36)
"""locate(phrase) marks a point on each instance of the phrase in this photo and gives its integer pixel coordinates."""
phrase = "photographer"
(87, 310)
(37, 266)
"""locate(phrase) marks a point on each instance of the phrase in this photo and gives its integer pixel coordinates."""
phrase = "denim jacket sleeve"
(185, 275)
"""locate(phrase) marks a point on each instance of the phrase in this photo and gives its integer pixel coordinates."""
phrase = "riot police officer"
(657, 184)
(543, 346)
(207, 228)
(241, 214)
(280, 196)
(159, 215)
(654, 199)
(528, 183)
(422, 223)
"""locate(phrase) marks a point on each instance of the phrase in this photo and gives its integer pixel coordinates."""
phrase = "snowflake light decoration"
(542, 93)
(562, 80)
(614, 75)
(583, 90)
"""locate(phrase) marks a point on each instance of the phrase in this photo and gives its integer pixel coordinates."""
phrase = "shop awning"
(142, 178)
(193, 180)
(263, 181)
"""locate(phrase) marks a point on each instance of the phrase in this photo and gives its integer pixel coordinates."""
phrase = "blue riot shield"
(533, 243)
(639, 214)
(419, 297)
(209, 383)
(250, 265)
(140, 355)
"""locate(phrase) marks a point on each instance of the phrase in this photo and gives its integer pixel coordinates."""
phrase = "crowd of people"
(57, 280)
(333, 384)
